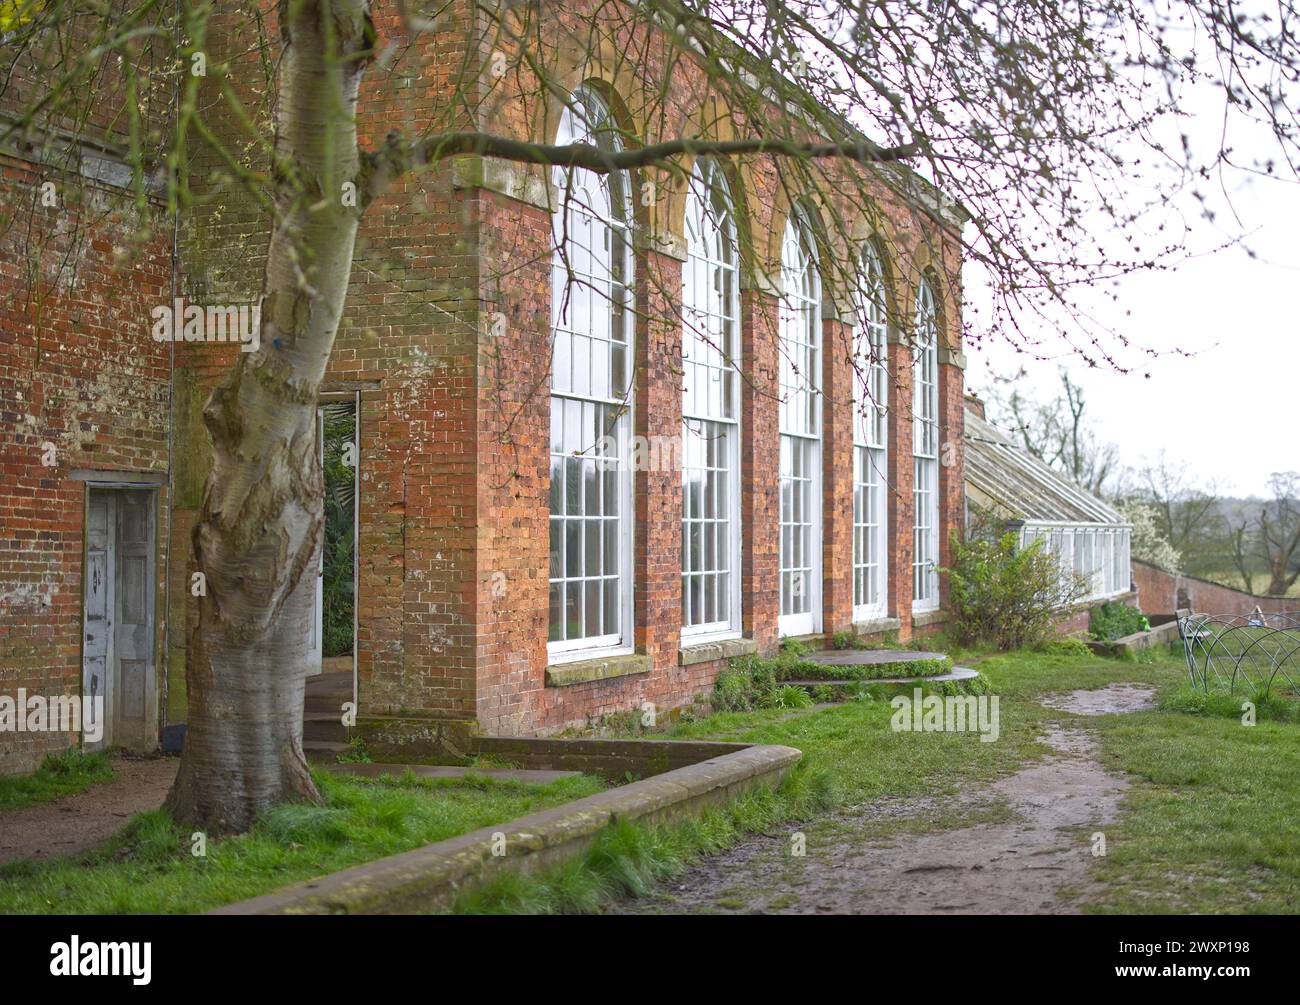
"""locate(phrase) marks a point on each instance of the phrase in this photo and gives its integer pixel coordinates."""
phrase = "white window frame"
(871, 440)
(1097, 552)
(588, 202)
(925, 453)
(710, 347)
(800, 318)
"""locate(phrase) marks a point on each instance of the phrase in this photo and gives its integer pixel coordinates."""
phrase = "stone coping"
(1162, 634)
(428, 879)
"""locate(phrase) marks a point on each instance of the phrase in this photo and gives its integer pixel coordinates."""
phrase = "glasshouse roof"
(1018, 486)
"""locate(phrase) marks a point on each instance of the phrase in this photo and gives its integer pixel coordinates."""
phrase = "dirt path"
(1031, 858)
(76, 823)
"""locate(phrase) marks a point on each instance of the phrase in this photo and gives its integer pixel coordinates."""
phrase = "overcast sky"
(1231, 411)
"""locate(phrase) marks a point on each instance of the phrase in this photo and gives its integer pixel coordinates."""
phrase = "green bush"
(1006, 596)
(785, 696)
(751, 682)
(1114, 620)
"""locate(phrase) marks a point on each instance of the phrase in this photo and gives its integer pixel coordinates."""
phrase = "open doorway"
(334, 632)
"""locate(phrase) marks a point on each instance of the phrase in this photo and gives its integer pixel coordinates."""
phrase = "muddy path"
(1030, 855)
(77, 823)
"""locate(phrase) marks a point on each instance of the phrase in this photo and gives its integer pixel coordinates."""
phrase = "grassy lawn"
(1208, 823)
(62, 774)
(1213, 823)
(149, 868)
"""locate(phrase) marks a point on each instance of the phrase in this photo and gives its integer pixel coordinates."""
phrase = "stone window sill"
(584, 671)
(874, 625)
(707, 652)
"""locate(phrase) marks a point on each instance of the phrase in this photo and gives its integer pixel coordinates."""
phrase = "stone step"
(324, 750)
(536, 776)
(868, 657)
(325, 726)
(958, 673)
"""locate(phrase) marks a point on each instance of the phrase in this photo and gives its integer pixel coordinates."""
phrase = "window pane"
(591, 270)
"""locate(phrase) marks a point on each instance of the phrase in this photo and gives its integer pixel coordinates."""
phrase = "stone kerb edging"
(428, 879)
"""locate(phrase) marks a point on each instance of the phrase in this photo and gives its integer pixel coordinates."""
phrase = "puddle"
(1103, 701)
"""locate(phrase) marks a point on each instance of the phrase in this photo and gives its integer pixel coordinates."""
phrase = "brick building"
(603, 442)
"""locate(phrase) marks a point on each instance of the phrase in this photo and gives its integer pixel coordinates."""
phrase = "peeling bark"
(259, 534)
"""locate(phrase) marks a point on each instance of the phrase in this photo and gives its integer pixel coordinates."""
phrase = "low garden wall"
(1162, 592)
(429, 879)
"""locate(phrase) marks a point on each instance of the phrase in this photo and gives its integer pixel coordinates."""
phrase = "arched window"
(800, 464)
(710, 432)
(870, 444)
(591, 319)
(925, 453)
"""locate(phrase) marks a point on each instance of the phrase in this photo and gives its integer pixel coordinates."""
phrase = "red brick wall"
(760, 501)
(837, 475)
(80, 371)
(899, 466)
(1161, 592)
(454, 421)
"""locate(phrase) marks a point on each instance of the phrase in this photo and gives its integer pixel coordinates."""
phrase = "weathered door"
(99, 616)
(118, 663)
(133, 635)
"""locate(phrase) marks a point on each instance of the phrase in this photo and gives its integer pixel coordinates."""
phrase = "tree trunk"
(258, 538)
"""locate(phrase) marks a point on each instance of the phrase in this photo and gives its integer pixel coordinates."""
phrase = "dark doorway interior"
(338, 562)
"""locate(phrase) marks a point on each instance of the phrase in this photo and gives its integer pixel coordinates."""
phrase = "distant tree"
(1057, 433)
(1241, 546)
(1149, 542)
(1279, 532)
(1186, 510)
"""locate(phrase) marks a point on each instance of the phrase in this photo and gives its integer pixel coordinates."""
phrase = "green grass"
(61, 774)
(1207, 824)
(149, 867)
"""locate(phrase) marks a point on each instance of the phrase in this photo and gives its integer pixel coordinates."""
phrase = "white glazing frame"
(710, 411)
(925, 453)
(1099, 553)
(591, 413)
(800, 323)
(870, 444)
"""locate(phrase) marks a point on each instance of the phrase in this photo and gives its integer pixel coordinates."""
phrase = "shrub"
(1113, 621)
(733, 691)
(791, 646)
(785, 696)
(1065, 645)
(1006, 596)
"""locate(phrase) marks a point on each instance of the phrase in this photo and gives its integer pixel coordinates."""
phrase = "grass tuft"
(62, 774)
